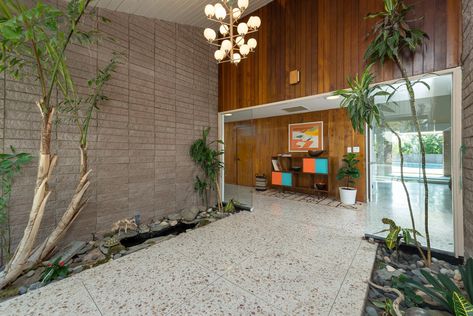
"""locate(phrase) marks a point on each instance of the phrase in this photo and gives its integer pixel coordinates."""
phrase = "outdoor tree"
(33, 43)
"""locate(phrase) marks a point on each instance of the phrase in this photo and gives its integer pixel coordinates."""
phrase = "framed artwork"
(306, 136)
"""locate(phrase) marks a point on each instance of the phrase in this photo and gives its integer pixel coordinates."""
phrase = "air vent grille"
(295, 109)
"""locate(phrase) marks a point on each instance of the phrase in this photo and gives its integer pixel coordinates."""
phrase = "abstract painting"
(306, 136)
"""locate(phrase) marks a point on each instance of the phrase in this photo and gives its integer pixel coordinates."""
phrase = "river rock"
(22, 290)
(371, 311)
(72, 249)
(457, 275)
(189, 214)
(390, 268)
(136, 248)
(173, 223)
(30, 273)
(159, 227)
(130, 233)
(94, 255)
(35, 286)
(77, 269)
(417, 311)
(174, 216)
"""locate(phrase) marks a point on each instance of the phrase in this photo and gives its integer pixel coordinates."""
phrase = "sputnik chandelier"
(231, 45)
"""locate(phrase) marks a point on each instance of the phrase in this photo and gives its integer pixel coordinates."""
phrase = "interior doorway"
(245, 147)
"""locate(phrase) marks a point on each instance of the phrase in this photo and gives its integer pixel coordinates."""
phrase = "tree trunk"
(411, 213)
(19, 261)
(75, 207)
(415, 120)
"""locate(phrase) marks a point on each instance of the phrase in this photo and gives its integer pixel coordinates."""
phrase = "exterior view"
(238, 157)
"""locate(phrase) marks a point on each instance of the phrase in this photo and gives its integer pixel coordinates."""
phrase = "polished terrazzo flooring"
(284, 258)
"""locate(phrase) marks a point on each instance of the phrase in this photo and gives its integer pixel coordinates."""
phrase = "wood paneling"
(271, 138)
(326, 40)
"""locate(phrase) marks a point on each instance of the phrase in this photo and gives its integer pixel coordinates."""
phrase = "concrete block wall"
(160, 99)
(467, 65)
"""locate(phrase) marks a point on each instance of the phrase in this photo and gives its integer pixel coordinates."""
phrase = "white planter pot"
(347, 195)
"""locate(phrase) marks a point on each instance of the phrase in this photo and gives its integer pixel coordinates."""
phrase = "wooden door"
(245, 147)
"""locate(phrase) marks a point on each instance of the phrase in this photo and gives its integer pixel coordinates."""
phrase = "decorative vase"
(347, 195)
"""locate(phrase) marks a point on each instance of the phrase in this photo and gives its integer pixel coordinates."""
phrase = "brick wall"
(160, 99)
(467, 61)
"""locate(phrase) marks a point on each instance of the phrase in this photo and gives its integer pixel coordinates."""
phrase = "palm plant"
(360, 102)
(207, 158)
(394, 37)
(201, 187)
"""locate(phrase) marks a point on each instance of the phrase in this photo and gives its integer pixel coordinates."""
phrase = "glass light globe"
(256, 22)
(209, 10)
(226, 46)
(244, 49)
(210, 34)
(242, 28)
(220, 12)
(240, 40)
(251, 23)
(224, 29)
(219, 55)
(252, 43)
(236, 58)
(236, 13)
(243, 4)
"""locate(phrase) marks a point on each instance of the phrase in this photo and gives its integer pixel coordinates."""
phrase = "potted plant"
(349, 173)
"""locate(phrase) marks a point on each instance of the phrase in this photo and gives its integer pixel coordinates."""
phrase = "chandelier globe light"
(231, 44)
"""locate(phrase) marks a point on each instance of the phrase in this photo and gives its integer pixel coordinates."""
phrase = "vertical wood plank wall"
(325, 40)
(271, 138)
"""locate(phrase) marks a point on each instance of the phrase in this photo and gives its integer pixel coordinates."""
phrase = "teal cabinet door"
(287, 179)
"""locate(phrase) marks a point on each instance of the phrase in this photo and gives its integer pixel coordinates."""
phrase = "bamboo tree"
(39, 37)
(393, 37)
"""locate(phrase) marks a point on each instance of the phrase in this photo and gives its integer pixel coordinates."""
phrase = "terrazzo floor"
(284, 258)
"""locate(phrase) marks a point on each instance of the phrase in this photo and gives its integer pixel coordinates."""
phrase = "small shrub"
(54, 270)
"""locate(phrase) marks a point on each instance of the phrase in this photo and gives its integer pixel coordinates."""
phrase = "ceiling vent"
(295, 109)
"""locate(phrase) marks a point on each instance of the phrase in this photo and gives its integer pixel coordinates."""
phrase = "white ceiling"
(190, 12)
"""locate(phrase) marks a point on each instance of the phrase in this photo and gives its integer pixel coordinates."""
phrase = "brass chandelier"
(232, 46)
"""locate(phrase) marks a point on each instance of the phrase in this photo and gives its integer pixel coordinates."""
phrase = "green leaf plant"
(54, 270)
(461, 305)
(10, 165)
(201, 187)
(207, 157)
(33, 44)
(441, 289)
(395, 38)
(396, 234)
(360, 101)
(349, 171)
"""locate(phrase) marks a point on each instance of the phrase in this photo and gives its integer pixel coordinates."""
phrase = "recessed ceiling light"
(228, 114)
(332, 97)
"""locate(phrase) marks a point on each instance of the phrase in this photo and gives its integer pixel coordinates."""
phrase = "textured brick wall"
(160, 99)
(467, 61)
